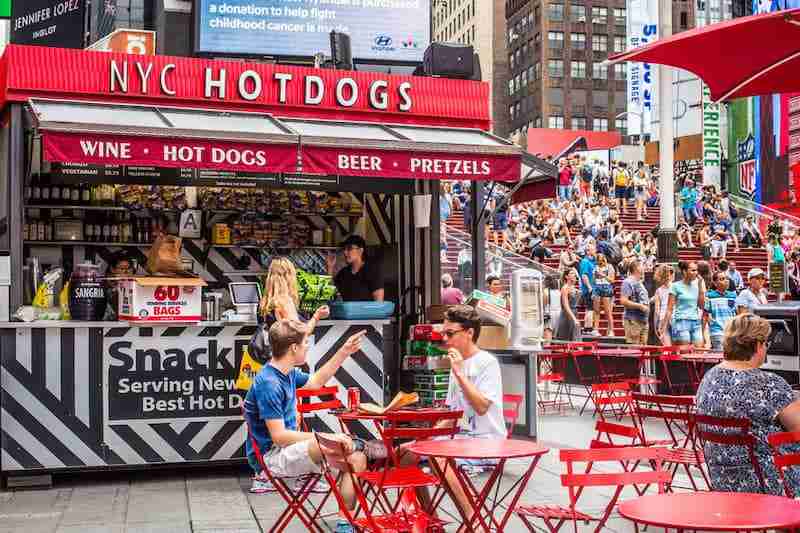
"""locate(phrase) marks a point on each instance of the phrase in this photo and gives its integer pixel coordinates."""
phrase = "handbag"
(248, 369)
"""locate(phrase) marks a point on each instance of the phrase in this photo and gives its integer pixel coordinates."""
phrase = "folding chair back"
(511, 413)
(672, 354)
(729, 432)
(785, 460)
(609, 433)
(676, 412)
(613, 396)
(307, 405)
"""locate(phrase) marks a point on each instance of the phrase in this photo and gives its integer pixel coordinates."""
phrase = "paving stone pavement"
(217, 500)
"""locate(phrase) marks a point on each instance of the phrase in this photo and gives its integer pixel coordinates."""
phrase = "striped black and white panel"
(365, 369)
(381, 213)
(51, 416)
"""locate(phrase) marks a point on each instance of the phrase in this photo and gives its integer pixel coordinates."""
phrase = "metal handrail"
(760, 210)
(527, 261)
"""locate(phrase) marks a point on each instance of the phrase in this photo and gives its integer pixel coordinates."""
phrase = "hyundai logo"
(383, 41)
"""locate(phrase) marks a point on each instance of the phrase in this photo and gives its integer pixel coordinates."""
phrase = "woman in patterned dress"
(738, 388)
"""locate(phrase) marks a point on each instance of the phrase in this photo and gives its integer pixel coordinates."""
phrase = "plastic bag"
(165, 255)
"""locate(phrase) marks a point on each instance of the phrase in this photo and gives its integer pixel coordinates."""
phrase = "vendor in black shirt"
(359, 281)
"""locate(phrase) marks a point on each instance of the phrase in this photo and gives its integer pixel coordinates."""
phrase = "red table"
(497, 449)
(713, 511)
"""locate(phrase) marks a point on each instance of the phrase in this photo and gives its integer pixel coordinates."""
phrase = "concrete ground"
(206, 501)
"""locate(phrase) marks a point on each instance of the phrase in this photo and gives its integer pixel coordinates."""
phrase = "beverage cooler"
(783, 353)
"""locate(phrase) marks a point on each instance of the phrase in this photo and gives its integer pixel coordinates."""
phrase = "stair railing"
(764, 214)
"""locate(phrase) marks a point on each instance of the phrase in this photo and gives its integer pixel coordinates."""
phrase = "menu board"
(83, 173)
(777, 277)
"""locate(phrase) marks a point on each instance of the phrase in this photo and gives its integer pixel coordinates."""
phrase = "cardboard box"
(492, 313)
(480, 296)
(493, 338)
(160, 299)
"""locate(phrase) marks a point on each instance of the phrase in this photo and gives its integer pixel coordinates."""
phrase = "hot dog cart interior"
(259, 161)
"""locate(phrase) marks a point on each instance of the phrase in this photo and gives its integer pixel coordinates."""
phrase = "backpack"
(620, 178)
(611, 250)
(586, 173)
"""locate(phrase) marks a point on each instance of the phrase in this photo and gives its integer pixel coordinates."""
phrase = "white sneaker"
(261, 484)
(321, 486)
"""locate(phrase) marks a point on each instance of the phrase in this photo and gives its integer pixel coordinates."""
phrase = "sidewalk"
(217, 501)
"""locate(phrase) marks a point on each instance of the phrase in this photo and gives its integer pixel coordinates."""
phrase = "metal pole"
(667, 242)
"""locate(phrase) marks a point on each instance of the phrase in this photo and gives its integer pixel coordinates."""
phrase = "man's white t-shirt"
(483, 371)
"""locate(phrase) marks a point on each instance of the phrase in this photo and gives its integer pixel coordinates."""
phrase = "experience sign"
(170, 375)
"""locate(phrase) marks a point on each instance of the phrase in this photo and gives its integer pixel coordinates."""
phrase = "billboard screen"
(380, 30)
(642, 28)
(48, 23)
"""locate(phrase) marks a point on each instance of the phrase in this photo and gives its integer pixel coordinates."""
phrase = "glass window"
(577, 13)
(578, 69)
(578, 97)
(600, 124)
(600, 43)
(619, 16)
(556, 39)
(100, 114)
(555, 122)
(537, 70)
(599, 15)
(537, 37)
(537, 122)
(578, 40)
(524, 78)
(338, 129)
(555, 11)
(555, 68)
(510, 87)
(578, 123)
(511, 60)
(599, 71)
(621, 71)
(555, 96)
(619, 43)
(511, 111)
(684, 20)
(621, 125)
(446, 135)
(600, 99)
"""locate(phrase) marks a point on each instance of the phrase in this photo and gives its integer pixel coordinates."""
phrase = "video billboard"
(57, 23)
(380, 30)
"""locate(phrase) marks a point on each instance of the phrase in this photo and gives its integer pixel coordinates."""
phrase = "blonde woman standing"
(281, 300)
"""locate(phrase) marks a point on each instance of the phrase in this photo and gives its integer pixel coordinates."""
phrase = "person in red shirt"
(565, 175)
(451, 295)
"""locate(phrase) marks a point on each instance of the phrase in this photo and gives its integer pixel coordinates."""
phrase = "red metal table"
(490, 449)
(713, 511)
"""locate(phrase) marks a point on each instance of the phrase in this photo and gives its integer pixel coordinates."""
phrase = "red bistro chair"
(670, 355)
(554, 516)
(307, 405)
(729, 432)
(551, 372)
(511, 414)
(784, 461)
(297, 499)
(614, 397)
(677, 415)
(407, 516)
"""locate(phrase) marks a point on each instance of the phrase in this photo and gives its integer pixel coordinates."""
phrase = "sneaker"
(343, 526)
(321, 487)
(261, 484)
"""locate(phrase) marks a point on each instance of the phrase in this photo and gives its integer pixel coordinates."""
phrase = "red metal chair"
(615, 397)
(729, 432)
(511, 414)
(677, 415)
(784, 460)
(554, 516)
(552, 369)
(408, 514)
(582, 355)
(306, 405)
(646, 381)
(669, 356)
(297, 499)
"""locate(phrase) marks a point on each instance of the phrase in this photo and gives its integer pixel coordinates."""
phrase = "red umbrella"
(746, 56)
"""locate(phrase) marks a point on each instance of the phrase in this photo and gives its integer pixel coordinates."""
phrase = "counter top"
(64, 324)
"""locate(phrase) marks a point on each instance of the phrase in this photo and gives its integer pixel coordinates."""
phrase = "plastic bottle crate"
(432, 380)
(429, 397)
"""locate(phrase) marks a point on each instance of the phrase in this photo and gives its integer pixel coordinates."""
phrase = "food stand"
(261, 146)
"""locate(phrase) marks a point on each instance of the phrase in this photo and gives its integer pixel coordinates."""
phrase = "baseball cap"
(755, 272)
(354, 240)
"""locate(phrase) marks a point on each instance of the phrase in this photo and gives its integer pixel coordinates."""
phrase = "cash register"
(245, 297)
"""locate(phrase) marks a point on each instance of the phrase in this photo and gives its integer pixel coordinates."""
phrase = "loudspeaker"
(450, 60)
(341, 51)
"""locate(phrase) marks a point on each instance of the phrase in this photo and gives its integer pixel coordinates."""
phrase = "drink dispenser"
(527, 309)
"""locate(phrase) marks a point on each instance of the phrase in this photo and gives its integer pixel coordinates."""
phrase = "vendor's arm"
(479, 401)
(319, 378)
(376, 284)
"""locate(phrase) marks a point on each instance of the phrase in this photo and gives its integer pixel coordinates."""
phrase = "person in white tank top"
(664, 275)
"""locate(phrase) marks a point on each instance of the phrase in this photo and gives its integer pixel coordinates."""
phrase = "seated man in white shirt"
(476, 387)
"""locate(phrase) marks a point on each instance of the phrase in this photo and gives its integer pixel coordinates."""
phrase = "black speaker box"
(449, 60)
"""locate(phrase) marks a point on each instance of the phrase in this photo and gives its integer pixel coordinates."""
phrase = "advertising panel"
(712, 142)
(126, 41)
(48, 23)
(642, 28)
(380, 30)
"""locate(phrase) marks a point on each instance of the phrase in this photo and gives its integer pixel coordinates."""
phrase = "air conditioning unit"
(598, 20)
(581, 19)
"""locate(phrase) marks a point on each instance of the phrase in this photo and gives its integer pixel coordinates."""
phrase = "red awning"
(747, 56)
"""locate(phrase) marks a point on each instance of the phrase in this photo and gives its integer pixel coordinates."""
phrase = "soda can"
(353, 398)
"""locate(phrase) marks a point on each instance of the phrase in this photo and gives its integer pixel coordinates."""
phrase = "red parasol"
(746, 56)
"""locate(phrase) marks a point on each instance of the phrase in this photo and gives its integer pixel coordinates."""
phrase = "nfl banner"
(642, 28)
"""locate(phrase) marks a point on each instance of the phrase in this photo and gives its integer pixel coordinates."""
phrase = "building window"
(510, 87)
(518, 56)
(578, 41)
(619, 43)
(555, 68)
(555, 11)
(621, 71)
(537, 122)
(599, 71)
(555, 122)
(600, 124)
(556, 39)
(524, 50)
(578, 69)
(511, 60)
(619, 16)
(577, 13)
(524, 78)
(537, 70)
(684, 20)
(578, 123)
(599, 15)
(600, 43)
(537, 11)
(511, 111)
(537, 38)
(621, 125)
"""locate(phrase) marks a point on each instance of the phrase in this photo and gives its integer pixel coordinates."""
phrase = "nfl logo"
(747, 177)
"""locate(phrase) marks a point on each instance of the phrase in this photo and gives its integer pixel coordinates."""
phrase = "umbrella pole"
(667, 238)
